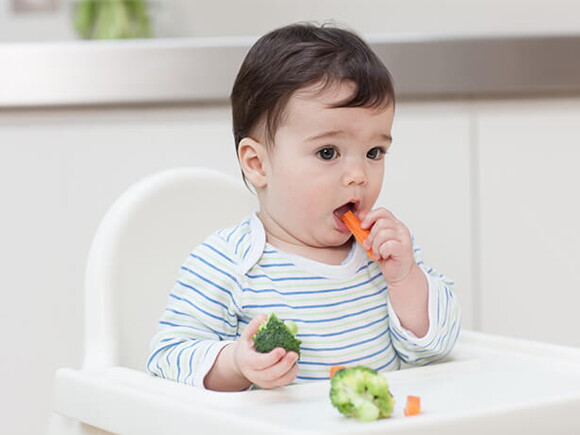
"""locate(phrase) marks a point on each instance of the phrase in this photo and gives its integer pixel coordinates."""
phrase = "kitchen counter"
(203, 69)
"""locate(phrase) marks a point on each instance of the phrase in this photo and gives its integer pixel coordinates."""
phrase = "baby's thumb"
(253, 327)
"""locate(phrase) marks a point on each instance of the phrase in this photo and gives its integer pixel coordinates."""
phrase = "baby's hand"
(267, 370)
(390, 241)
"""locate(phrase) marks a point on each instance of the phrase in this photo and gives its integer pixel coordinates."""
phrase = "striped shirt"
(342, 311)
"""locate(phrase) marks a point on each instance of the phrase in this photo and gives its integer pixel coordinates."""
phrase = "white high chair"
(490, 384)
(133, 262)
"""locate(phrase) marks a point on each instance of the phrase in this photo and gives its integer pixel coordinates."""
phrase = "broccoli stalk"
(362, 393)
(274, 333)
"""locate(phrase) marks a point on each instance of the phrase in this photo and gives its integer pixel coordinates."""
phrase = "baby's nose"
(355, 175)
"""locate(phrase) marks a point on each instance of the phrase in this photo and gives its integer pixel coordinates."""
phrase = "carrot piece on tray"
(334, 369)
(353, 224)
(413, 406)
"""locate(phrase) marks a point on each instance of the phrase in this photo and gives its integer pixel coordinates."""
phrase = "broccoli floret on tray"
(274, 333)
(362, 393)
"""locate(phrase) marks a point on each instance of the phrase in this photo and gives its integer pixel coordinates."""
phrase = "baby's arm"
(197, 342)
(239, 365)
(425, 315)
(392, 248)
(201, 316)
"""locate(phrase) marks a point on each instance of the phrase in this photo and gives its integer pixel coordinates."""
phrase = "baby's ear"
(253, 161)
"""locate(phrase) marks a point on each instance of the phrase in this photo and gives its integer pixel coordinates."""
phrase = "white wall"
(180, 18)
(455, 17)
(37, 26)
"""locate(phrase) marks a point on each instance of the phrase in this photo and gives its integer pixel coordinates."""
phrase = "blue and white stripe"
(342, 312)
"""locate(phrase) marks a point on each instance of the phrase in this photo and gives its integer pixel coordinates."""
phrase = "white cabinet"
(529, 185)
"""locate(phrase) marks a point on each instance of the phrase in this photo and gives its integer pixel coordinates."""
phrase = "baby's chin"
(339, 240)
(328, 252)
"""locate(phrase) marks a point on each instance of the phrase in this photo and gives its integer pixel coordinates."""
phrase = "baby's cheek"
(308, 205)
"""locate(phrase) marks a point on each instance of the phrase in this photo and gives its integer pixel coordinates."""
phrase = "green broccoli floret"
(362, 393)
(275, 333)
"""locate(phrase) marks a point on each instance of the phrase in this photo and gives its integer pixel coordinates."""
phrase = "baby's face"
(324, 161)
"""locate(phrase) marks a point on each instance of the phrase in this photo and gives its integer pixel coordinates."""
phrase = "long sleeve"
(444, 322)
(201, 316)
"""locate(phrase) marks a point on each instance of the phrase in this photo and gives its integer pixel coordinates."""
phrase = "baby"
(312, 109)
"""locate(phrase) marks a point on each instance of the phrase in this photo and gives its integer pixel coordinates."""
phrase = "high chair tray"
(490, 384)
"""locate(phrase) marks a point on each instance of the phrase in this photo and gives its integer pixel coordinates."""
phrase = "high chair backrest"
(138, 249)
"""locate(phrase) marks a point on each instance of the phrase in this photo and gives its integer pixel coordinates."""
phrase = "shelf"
(194, 70)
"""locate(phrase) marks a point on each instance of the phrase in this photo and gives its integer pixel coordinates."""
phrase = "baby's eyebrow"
(386, 137)
(333, 133)
(326, 135)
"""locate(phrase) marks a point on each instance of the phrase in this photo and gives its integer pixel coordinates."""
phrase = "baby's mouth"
(349, 206)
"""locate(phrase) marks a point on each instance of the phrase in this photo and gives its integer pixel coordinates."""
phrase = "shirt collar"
(356, 259)
(257, 244)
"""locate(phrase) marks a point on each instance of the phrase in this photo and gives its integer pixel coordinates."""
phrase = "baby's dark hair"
(299, 55)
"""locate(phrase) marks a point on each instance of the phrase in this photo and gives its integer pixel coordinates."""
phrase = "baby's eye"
(327, 153)
(376, 153)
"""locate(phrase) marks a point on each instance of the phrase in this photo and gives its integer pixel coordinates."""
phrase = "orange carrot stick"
(353, 224)
(334, 369)
(413, 406)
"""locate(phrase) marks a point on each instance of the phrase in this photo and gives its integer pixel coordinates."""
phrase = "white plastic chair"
(492, 384)
(132, 264)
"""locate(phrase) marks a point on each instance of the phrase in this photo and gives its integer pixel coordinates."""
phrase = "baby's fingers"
(379, 235)
(387, 249)
(252, 328)
(281, 373)
(263, 361)
(369, 218)
(289, 376)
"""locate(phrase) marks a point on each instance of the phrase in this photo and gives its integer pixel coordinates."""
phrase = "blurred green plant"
(112, 19)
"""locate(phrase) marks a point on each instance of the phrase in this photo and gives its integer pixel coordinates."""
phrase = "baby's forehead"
(317, 96)
(309, 104)
(316, 104)
(313, 115)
